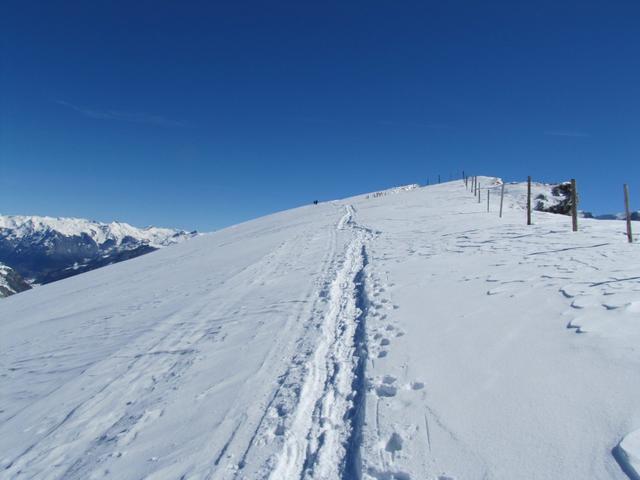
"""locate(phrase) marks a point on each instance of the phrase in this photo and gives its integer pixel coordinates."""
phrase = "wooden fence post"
(574, 205)
(627, 213)
(488, 192)
(529, 200)
(501, 198)
(478, 193)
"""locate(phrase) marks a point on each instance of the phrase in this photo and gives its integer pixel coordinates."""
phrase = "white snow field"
(406, 334)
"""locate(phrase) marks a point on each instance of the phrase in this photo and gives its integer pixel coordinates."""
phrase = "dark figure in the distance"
(315, 202)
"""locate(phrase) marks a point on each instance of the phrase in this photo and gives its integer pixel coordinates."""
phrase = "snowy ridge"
(398, 337)
(515, 193)
(628, 452)
(19, 226)
(392, 191)
(45, 249)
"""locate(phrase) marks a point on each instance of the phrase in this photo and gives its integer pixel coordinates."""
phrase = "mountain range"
(40, 250)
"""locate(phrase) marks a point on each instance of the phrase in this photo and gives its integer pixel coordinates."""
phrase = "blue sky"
(203, 114)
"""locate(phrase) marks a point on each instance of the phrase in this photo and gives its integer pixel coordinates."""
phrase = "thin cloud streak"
(567, 134)
(122, 116)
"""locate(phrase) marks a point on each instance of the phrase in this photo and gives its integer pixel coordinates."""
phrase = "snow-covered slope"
(406, 336)
(45, 249)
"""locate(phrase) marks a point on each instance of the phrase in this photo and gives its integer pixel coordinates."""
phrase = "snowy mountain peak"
(20, 226)
(45, 249)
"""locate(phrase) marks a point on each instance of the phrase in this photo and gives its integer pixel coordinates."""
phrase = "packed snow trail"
(405, 334)
(316, 441)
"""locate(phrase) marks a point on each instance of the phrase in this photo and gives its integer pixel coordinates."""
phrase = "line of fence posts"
(627, 213)
(529, 200)
(473, 184)
(574, 205)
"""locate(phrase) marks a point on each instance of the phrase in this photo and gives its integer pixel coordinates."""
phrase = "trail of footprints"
(386, 389)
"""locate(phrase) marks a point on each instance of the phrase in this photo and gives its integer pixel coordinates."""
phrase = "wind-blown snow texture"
(407, 334)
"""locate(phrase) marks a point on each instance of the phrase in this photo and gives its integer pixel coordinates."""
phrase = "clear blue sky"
(200, 114)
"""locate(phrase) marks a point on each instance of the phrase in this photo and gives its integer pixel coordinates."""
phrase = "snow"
(630, 454)
(410, 335)
(20, 226)
(516, 193)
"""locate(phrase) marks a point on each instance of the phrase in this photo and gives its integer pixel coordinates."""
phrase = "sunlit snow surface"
(407, 335)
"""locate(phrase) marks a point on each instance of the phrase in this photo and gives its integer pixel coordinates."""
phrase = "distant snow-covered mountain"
(11, 282)
(45, 249)
(614, 216)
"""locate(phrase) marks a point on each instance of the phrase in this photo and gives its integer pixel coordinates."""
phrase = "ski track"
(316, 442)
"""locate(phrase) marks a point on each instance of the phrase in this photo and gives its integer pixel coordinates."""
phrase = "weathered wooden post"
(488, 195)
(529, 200)
(574, 205)
(501, 198)
(627, 213)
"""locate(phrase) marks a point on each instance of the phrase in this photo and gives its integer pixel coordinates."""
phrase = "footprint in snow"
(388, 379)
(394, 444)
(386, 387)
